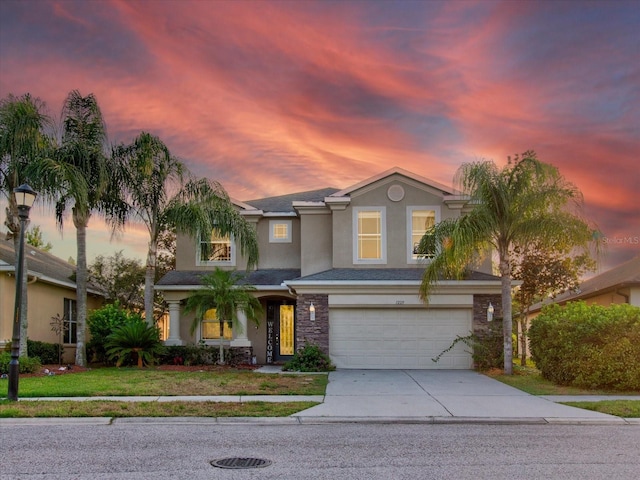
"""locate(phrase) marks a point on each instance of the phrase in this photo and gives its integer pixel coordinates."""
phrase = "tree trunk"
(507, 326)
(81, 222)
(149, 280)
(221, 352)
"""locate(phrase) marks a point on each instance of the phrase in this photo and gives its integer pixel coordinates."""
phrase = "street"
(137, 449)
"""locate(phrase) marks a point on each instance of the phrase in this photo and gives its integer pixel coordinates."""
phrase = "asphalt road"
(136, 450)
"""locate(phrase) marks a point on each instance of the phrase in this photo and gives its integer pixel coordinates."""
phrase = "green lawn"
(148, 381)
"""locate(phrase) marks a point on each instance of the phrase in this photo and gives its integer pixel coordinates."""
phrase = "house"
(51, 291)
(620, 284)
(338, 268)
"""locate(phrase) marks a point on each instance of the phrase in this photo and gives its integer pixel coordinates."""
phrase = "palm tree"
(526, 201)
(136, 341)
(80, 175)
(162, 195)
(23, 139)
(222, 292)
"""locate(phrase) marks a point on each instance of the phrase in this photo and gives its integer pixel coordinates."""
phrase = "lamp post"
(25, 197)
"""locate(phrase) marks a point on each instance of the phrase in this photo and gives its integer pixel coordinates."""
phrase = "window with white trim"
(218, 249)
(70, 333)
(369, 239)
(280, 231)
(419, 220)
(210, 327)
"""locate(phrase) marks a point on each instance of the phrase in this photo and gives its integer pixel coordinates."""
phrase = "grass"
(619, 408)
(143, 382)
(99, 408)
(529, 379)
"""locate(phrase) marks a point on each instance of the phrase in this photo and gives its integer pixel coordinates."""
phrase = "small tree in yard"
(545, 272)
(220, 291)
(135, 341)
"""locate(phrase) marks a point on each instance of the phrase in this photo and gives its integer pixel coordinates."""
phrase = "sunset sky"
(275, 97)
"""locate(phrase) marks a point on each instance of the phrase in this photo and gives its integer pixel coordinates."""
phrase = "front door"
(280, 331)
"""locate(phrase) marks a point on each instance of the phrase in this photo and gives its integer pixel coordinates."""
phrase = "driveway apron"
(433, 393)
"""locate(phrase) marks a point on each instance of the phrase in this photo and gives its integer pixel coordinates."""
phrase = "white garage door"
(398, 338)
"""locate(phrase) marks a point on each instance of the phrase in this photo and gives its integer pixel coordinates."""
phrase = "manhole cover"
(235, 462)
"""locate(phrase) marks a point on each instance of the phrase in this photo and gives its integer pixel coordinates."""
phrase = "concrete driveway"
(460, 394)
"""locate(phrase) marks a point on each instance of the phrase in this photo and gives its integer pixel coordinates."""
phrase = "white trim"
(383, 236)
(273, 238)
(409, 219)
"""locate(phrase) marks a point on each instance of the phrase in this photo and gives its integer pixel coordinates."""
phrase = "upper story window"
(419, 221)
(369, 242)
(280, 231)
(70, 331)
(216, 250)
(210, 327)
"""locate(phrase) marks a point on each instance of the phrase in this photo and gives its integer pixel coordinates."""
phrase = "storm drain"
(237, 462)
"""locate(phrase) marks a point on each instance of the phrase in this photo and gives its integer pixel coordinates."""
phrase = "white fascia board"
(280, 214)
(49, 280)
(243, 205)
(251, 213)
(372, 286)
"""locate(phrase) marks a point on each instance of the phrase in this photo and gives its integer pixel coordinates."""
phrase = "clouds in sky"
(273, 97)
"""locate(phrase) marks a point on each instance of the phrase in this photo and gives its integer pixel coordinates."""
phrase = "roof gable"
(284, 203)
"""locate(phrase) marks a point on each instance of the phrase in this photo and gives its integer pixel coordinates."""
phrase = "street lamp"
(25, 197)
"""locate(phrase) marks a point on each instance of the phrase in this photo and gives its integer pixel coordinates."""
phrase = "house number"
(399, 302)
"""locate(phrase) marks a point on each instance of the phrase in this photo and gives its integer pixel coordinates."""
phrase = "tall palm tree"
(222, 292)
(526, 201)
(79, 175)
(162, 195)
(23, 139)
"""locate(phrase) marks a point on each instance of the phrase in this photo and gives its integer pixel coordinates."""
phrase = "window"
(370, 235)
(280, 231)
(419, 221)
(216, 250)
(210, 327)
(70, 321)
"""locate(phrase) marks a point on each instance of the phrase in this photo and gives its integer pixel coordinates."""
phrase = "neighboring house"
(51, 292)
(338, 268)
(621, 284)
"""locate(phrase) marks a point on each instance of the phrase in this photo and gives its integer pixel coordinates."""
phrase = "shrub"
(309, 358)
(135, 342)
(198, 355)
(48, 353)
(588, 345)
(26, 364)
(102, 323)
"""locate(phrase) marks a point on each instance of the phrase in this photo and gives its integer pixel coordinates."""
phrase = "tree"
(34, 238)
(121, 279)
(23, 139)
(80, 176)
(526, 201)
(544, 272)
(163, 196)
(221, 292)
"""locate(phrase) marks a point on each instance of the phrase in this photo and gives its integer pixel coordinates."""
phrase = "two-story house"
(338, 268)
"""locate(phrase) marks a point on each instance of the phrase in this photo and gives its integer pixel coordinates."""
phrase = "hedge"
(588, 346)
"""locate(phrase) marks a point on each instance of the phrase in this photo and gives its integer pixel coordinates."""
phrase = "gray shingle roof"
(39, 262)
(623, 275)
(381, 274)
(274, 276)
(283, 203)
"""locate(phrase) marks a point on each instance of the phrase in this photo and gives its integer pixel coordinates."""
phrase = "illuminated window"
(419, 221)
(280, 231)
(210, 327)
(370, 235)
(216, 250)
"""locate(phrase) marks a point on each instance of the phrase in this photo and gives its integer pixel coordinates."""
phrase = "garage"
(398, 338)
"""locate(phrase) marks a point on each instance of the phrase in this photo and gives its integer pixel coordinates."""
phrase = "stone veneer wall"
(243, 354)
(316, 332)
(480, 304)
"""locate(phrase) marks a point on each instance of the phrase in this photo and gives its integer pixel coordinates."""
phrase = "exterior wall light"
(489, 312)
(312, 312)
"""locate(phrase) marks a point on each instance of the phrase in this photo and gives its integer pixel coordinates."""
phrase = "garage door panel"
(402, 338)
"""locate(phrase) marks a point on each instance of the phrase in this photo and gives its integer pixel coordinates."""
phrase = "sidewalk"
(406, 396)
